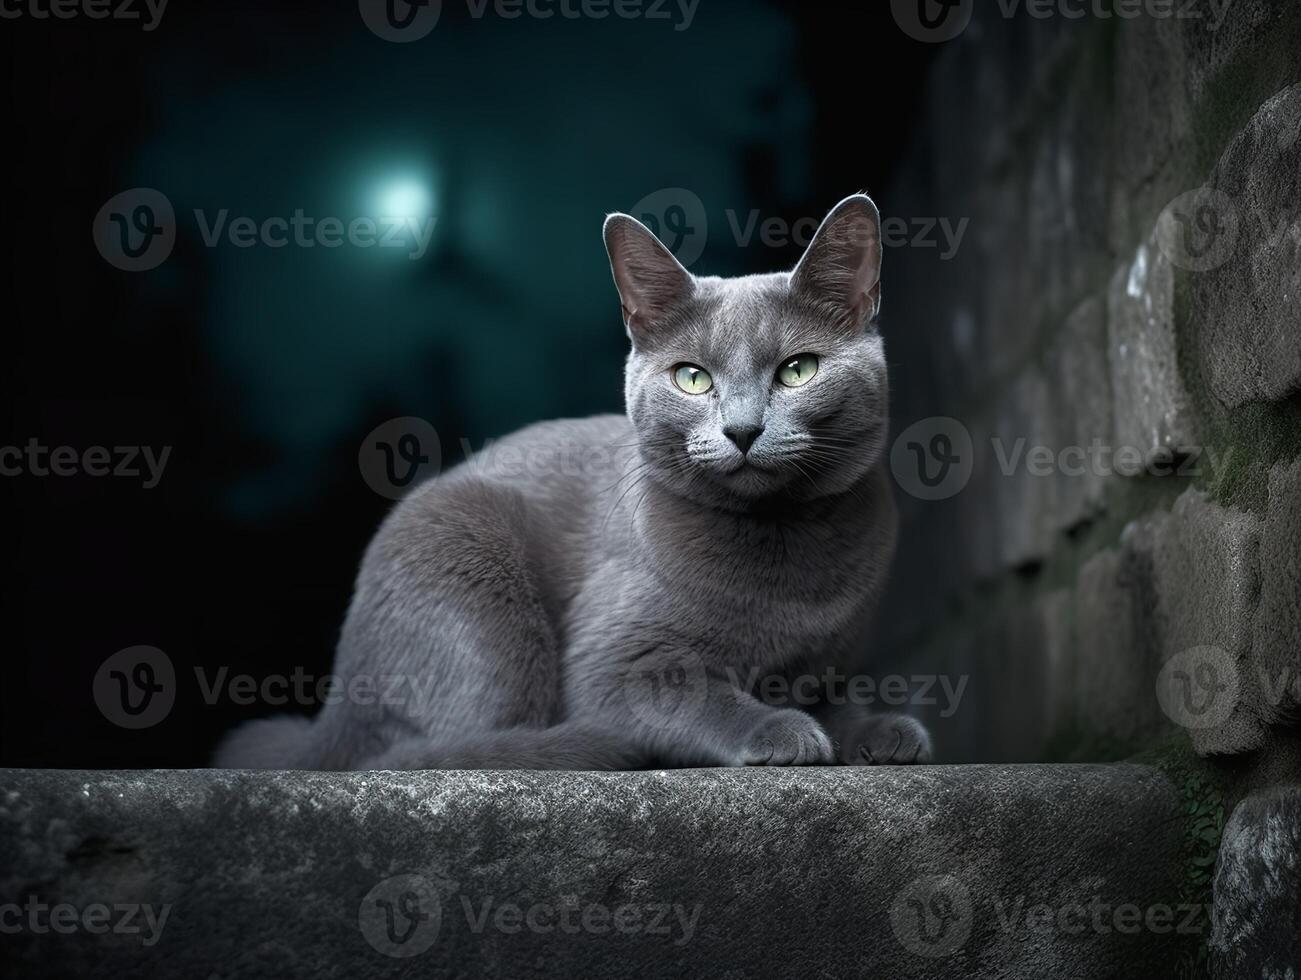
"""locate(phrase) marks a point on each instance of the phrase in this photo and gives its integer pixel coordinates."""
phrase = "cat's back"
(570, 458)
(533, 496)
(549, 475)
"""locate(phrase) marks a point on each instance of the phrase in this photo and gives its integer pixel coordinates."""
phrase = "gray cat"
(665, 588)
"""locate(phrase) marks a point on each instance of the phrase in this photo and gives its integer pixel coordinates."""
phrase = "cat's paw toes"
(887, 740)
(789, 738)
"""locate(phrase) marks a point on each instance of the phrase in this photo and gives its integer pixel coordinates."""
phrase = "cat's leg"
(690, 717)
(865, 738)
(451, 602)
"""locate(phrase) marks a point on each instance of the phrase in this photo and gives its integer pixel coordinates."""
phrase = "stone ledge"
(817, 872)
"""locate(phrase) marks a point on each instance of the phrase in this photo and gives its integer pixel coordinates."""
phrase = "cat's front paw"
(789, 738)
(886, 740)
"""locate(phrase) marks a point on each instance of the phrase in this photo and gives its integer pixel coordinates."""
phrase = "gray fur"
(550, 592)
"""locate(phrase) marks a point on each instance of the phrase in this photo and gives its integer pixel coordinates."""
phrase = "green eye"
(691, 379)
(798, 370)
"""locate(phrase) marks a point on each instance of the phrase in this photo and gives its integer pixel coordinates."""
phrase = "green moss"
(1249, 439)
(1260, 436)
(1208, 794)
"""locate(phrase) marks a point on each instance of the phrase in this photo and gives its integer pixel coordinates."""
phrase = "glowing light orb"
(405, 200)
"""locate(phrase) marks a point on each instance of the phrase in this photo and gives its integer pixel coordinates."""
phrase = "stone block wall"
(1118, 555)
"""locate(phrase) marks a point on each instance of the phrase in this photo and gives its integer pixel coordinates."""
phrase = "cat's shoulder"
(585, 433)
(545, 456)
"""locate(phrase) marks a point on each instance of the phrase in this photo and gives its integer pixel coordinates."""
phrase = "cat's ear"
(842, 266)
(649, 279)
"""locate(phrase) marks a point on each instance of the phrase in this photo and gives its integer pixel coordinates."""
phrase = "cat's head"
(759, 387)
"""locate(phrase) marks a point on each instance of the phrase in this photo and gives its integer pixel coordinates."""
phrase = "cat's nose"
(743, 435)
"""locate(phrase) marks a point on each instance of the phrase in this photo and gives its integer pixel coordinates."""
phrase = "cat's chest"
(791, 587)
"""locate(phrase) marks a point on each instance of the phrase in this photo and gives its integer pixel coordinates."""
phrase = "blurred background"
(264, 368)
(1026, 165)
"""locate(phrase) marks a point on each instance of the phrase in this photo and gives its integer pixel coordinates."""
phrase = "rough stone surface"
(1081, 411)
(1152, 407)
(1152, 118)
(980, 533)
(1081, 149)
(1056, 616)
(1007, 303)
(1183, 84)
(1066, 214)
(1248, 309)
(1276, 639)
(1022, 497)
(1118, 653)
(1257, 912)
(820, 871)
(1207, 570)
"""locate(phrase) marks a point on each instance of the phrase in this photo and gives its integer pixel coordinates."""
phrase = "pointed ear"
(649, 279)
(842, 266)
